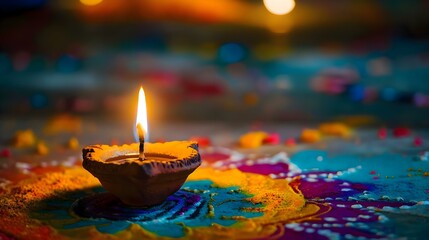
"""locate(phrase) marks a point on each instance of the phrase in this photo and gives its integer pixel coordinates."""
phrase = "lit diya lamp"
(142, 174)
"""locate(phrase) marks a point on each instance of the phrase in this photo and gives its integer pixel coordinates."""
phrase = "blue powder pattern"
(392, 175)
(394, 170)
(187, 207)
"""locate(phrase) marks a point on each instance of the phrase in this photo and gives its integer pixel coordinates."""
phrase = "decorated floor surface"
(367, 186)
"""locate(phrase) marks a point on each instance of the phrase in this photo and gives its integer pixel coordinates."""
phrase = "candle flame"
(142, 115)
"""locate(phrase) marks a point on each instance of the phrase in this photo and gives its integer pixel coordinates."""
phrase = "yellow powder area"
(16, 201)
(177, 150)
(281, 204)
(281, 201)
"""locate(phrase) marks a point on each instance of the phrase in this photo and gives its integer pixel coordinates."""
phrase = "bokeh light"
(231, 52)
(90, 2)
(67, 64)
(389, 94)
(279, 7)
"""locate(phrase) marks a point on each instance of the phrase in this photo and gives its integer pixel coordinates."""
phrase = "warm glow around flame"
(90, 2)
(142, 112)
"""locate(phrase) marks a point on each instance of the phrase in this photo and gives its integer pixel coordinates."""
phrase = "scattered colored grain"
(41, 148)
(73, 143)
(252, 139)
(63, 123)
(5, 153)
(24, 138)
(250, 99)
(290, 142)
(401, 132)
(273, 138)
(310, 135)
(418, 141)
(202, 141)
(382, 133)
(335, 129)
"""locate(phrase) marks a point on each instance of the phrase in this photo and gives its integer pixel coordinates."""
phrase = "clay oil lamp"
(142, 174)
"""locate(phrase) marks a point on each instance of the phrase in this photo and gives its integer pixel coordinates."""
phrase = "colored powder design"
(374, 190)
(344, 214)
(211, 203)
(353, 189)
(369, 194)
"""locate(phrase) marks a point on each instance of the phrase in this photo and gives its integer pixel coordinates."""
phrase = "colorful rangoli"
(361, 191)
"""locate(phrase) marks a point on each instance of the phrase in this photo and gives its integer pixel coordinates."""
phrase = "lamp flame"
(142, 116)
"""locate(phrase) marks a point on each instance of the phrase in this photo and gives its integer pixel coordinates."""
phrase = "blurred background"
(217, 60)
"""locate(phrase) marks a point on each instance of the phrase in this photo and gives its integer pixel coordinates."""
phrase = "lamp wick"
(141, 139)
